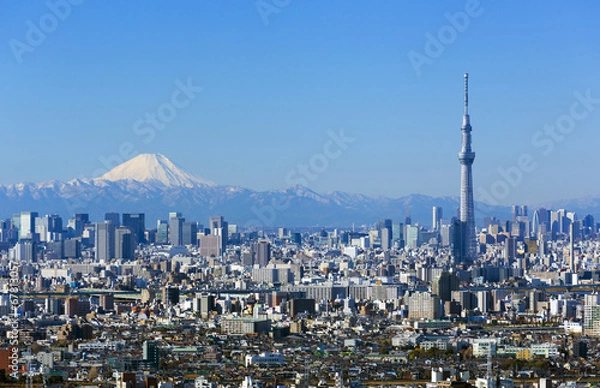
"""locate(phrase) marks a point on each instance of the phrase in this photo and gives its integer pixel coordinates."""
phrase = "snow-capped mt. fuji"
(155, 168)
(152, 184)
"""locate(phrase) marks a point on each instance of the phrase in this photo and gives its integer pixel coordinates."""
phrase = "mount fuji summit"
(152, 184)
(154, 168)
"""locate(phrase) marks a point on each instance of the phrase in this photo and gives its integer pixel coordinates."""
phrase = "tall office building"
(535, 224)
(444, 284)
(411, 236)
(398, 234)
(386, 239)
(591, 313)
(8, 232)
(27, 225)
(78, 222)
(114, 218)
(105, 240)
(124, 243)
(162, 232)
(49, 227)
(423, 305)
(384, 227)
(72, 306)
(588, 225)
(107, 302)
(544, 216)
(219, 227)
(175, 227)
(554, 224)
(263, 253)
(515, 211)
(407, 219)
(456, 240)
(510, 250)
(466, 156)
(170, 295)
(25, 250)
(72, 248)
(563, 221)
(572, 247)
(445, 236)
(210, 246)
(437, 213)
(136, 222)
(189, 233)
(151, 354)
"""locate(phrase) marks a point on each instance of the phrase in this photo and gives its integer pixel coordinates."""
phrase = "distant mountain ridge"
(152, 184)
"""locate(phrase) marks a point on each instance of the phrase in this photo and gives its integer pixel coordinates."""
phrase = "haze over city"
(261, 90)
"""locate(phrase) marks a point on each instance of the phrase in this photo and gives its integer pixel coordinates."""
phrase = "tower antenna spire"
(466, 94)
(466, 120)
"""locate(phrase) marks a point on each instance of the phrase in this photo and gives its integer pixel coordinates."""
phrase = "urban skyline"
(374, 89)
(320, 233)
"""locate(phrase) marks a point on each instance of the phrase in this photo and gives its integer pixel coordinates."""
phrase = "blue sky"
(274, 85)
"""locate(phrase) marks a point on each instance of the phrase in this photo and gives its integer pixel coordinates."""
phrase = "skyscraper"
(115, 218)
(398, 234)
(124, 243)
(219, 227)
(78, 222)
(411, 236)
(515, 211)
(384, 226)
(524, 211)
(105, 240)
(27, 225)
(136, 222)
(263, 253)
(424, 305)
(151, 354)
(467, 209)
(49, 227)
(189, 233)
(444, 284)
(535, 224)
(25, 250)
(175, 224)
(572, 247)
(437, 213)
(162, 232)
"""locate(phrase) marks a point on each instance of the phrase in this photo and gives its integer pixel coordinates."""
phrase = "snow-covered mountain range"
(152, 184)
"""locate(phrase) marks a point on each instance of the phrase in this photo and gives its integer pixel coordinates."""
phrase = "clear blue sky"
(272, 91)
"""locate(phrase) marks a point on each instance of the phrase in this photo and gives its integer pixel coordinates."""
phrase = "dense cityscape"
(111, 302)
(187, 303)
(291, 194)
